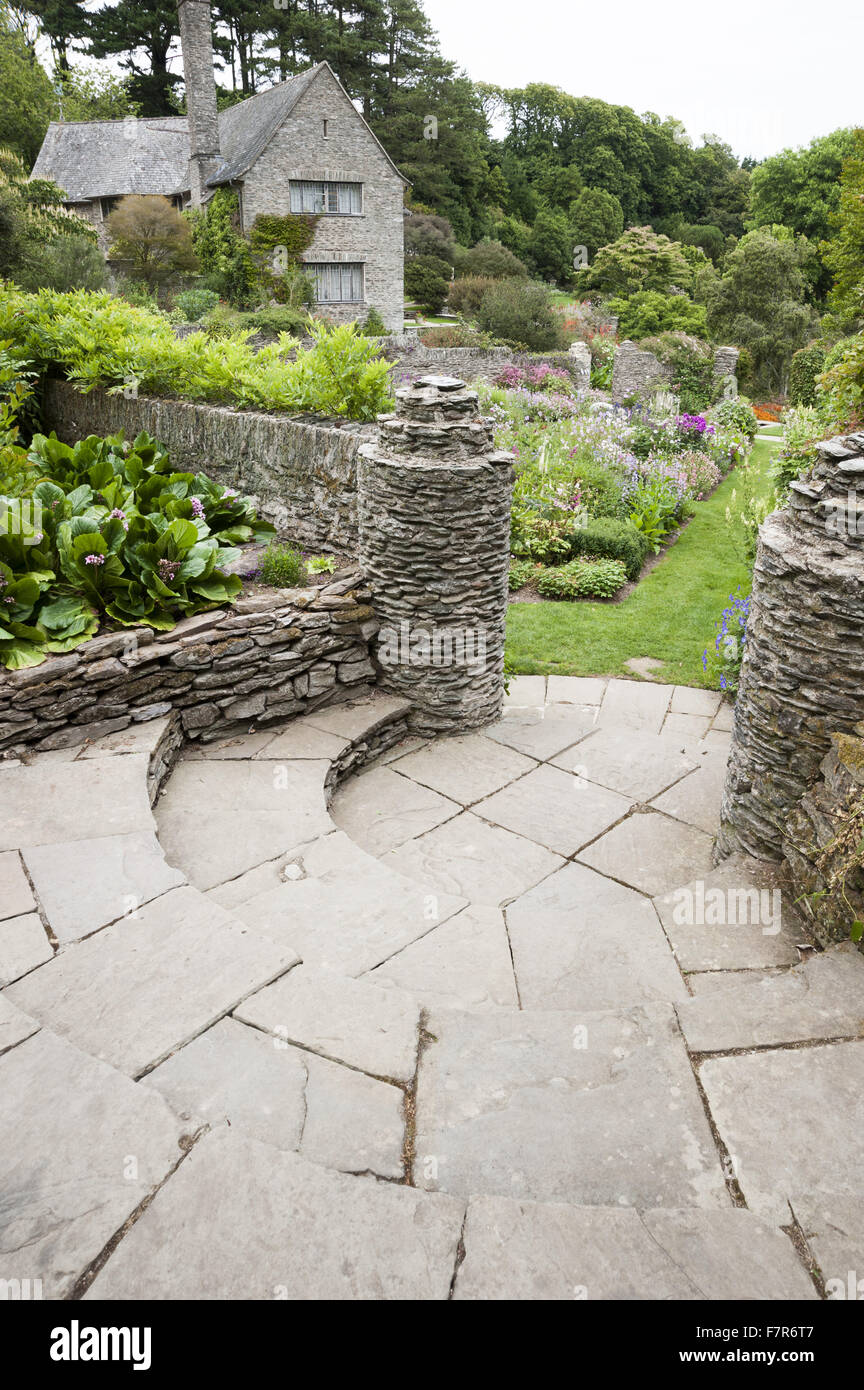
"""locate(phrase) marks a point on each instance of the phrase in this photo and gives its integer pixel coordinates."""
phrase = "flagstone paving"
(479, 1020)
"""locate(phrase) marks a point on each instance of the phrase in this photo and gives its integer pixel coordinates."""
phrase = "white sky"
(761, 74)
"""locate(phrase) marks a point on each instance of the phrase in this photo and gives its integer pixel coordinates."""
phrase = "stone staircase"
(479, 1022)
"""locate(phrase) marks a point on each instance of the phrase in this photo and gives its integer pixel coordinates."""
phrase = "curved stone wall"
(803, 673)
(273, 655)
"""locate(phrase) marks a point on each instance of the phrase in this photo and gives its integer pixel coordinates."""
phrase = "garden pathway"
(484, 1024)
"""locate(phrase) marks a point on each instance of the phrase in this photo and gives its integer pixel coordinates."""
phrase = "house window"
(326, 124)
(108, 205)
(337, 283)
(310, 195)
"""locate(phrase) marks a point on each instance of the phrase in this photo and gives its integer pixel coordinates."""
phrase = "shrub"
(606, 538)
(803, 430)
(281, 566)
(120, 534)
(807, 365)
(148, 233)
(466, 295)
(520, 311)
(691, 363)
(490, 260)
(601, 488)
(427, 281)
(373, 325)
(68, 263)
(736, 413)
(97, 339)
(583, 579)
(521, 573)
(650, 312)
(269, 323)
(222, 252)
(195, 303)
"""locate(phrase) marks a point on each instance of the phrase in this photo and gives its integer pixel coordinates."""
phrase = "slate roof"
(101, 159)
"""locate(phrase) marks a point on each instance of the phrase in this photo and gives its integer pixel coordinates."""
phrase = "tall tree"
(140, 34)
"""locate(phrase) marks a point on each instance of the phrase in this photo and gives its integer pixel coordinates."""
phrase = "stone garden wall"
(822, 832)
(633, 369)
(303, 475)
(273, 655)
(412, 359)
(802, 679)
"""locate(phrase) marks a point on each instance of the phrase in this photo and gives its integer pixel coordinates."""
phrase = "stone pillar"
(581, 355)
(633, 369)
(803, 673)
(434, 519)
(196, 41)
(726, 366)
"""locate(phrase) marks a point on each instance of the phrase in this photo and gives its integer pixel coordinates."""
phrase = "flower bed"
(595, 482)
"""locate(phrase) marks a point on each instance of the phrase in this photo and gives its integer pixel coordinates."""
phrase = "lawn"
(670, 616)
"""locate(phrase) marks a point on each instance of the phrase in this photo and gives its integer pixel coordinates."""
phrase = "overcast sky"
(762, 74)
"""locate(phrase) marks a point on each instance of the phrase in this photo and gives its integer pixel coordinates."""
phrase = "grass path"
(669, 616)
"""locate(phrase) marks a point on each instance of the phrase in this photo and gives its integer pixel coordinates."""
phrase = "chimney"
(196, 40)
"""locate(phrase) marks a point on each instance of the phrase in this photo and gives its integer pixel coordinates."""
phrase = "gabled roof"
(245, 130)
(99, 159)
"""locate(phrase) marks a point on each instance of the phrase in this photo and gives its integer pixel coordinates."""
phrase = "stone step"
(819, 1000)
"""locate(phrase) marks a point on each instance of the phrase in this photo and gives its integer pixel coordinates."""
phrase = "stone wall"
(413, 359)
(803, 673)
(273, 655)
(434, 543)
(302, 475)
(634, 369)
(822, 832)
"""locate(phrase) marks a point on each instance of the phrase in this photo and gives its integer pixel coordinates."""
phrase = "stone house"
(298, 147)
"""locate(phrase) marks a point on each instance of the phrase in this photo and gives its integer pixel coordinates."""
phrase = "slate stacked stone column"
(803, 674)
(434, 515)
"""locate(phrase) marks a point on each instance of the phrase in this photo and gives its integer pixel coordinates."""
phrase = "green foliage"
(373, 324)
(112, 531)
(25, 92)
(551, 246)
(282, 566)
(68, 263)
(222, 252)
(490, 260)
(844, 250)
(803, 430)
(195, 303)
(641, 259)
(649, 312)
(737, 413)
(807, 366)
(521, 572)
(320, 564)
(34, 225)
(759, 303)
(582, 579)
(604, 537)
(843, 381)
(149, 234)
(520, 312)
(223, 322)
(800, 188)
(429, 235)
(97, 339)
(691, 363)
(427, 281)
(596, 219)
(466, 294)
(277, 243)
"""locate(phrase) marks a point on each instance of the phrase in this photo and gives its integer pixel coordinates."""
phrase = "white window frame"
(322, 272)
(304, 197)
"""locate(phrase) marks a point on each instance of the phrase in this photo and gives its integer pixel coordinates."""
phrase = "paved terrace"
(450, 1030)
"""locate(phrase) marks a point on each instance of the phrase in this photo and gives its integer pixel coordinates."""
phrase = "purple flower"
(118, 515)
(197, 508)
(94, 559)
(168, 570)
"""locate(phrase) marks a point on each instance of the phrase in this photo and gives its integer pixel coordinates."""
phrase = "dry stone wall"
(803, 673)
(634, 369)
(413, 359)
(302, 474)
(273, 655)
(822, 832)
